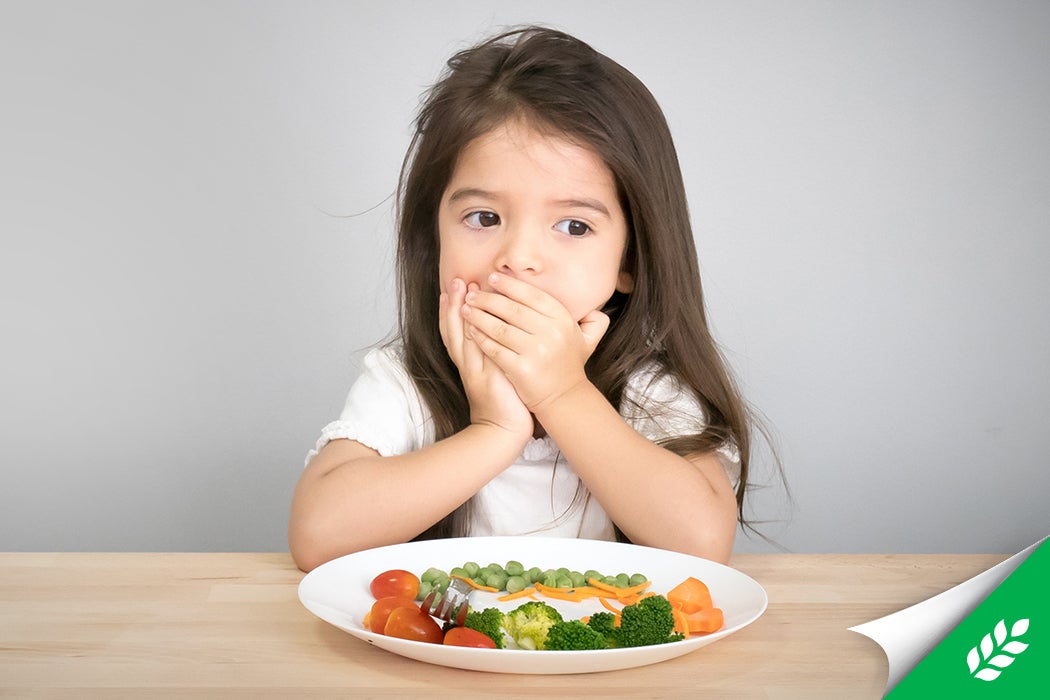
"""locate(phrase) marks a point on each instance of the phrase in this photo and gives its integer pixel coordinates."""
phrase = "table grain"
(155, 625)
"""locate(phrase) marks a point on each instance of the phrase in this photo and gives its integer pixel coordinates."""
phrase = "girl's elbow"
(714, 547)
(714, 542)
(302, 554)
(306, 546)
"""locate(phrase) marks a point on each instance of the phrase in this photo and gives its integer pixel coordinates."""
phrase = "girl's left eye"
(573, 227)
(482, 219)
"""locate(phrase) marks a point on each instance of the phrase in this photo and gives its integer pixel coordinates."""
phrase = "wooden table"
(231, 626)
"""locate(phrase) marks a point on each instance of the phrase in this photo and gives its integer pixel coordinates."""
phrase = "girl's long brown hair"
(561, 85)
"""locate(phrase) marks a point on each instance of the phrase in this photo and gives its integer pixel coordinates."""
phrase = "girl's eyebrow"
(572, 202)
(594, 204)
(468, 192)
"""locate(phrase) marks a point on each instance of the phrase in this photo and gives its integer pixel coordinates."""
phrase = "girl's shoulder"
(654, 384)
(388, 356)
(386, 364)
(660, 404)
(383, 409)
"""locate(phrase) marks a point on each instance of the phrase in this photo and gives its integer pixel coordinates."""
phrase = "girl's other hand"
(491, 395)
(531, 336)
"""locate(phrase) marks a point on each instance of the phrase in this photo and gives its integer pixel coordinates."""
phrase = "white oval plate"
(338, 593)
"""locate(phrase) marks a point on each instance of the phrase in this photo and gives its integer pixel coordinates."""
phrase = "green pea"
(461, 571)
(638, 579)
(623, 580)
(515, 584)
(471, 569)
(497, 580)
(577, 579)
(514, 568)
(431, 574)
(591, 573)
(551, 580)
(534, 574)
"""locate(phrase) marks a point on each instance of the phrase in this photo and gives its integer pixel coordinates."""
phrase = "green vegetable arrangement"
(513, 577)
(535, 625)
(644, 618)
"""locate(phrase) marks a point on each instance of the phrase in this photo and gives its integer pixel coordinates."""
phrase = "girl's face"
(538, 208)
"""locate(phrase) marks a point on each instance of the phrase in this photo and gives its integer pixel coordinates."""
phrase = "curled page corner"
(908, 635)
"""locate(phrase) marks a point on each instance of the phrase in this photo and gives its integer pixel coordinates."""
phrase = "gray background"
(196, 219)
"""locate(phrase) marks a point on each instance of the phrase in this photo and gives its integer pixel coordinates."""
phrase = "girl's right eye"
(482, 219)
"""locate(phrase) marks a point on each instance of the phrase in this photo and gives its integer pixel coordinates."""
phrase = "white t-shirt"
(540, 493)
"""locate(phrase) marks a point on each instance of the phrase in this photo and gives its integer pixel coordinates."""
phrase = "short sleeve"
(658, 406)
(383, 409)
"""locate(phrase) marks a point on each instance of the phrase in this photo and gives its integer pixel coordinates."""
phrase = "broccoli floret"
(488, 622)
(649, 621)
(573, 635)
(529, 624)
(604, 623)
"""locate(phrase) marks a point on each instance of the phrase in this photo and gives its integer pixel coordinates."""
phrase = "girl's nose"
(519, 252)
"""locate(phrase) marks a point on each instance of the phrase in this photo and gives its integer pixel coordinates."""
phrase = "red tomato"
(412, 623)
(381, 609)
(395, 582)
(466, 637)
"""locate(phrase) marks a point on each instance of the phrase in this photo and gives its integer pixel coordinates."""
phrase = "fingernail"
(471, 296)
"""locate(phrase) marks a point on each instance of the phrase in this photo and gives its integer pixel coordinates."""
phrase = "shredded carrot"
(571, 594)
(520, 594)
(561, 594)
(633, 590)
(615, 590)
(552, 589)
(619, 593)
(609, 606)
(475, 585)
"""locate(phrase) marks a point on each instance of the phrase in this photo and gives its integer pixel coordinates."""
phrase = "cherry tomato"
(466, 637)
(381, 609)
(412, 623)
(395, 582)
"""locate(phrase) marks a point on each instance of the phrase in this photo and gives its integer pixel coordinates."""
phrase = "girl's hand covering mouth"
(492, 398)
(531, 337)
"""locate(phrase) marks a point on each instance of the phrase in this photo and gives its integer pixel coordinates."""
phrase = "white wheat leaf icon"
(994, 652)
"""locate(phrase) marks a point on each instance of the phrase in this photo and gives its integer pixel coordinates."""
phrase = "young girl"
(554, 373)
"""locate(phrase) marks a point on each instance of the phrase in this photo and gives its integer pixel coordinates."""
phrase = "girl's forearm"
(350, 498)
(656, 497)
